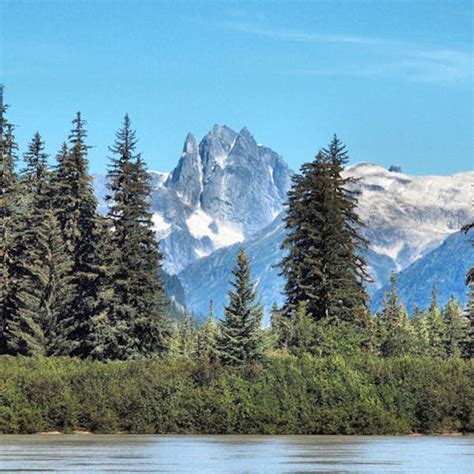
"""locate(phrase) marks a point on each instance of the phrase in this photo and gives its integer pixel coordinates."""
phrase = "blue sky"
(393, 79)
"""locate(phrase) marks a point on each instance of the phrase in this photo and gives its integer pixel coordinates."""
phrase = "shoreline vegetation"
(284, 394)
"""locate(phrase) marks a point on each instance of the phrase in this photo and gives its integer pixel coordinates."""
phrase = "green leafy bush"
(311, 395)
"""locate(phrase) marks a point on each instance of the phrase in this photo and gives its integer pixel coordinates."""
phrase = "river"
(236, 454)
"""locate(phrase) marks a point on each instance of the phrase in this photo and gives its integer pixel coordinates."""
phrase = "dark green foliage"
(35, 175)
(73, 282)
(21, 332)
(240, 338)
(75, 204)
(41, 289)
(323, 266)
(139, 300)
(289, 395)
(9, 215)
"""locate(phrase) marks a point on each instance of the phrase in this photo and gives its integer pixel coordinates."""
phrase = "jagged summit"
(222, 190)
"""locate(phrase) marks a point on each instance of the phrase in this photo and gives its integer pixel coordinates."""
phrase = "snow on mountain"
(407, 216)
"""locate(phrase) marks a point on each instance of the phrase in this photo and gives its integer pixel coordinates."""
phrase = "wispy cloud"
(303, 36)
(388, 57)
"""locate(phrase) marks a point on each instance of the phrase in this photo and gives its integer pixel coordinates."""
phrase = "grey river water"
(236, 454)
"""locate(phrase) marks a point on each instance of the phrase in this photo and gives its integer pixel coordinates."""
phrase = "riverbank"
(286, 395)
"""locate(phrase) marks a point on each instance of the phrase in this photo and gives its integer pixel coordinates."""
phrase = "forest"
(89, 341)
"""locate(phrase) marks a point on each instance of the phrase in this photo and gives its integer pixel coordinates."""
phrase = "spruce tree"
(397, 336)
(19, 329)
(186, 337)
(240, 338)
(139, 300)
(457, 328)
(324, 267)
(207, 337)
(103, 339)
(302, 333)
(76, 208)
(35, 175)
(9, 200)
(436, 329)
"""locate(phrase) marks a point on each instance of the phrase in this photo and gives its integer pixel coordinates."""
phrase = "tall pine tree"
(324, 267)
(76, 208)
(19, 330)
(139, 300)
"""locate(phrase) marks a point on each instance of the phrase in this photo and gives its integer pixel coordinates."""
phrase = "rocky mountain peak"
(222, 191)
(190, 144)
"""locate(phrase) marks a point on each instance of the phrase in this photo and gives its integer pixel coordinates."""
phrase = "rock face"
(223, 190)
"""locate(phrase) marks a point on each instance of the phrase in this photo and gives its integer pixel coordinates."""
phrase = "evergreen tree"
(397, 334)
(35, 175)
(19, 329)
(240, 338)
(280, 329)
(75, 205)
(420, 323)
(139, 305)
(207, 337)
(323, 266)
(41, 290)
(186, 335)
(436, 329)
(468, 350)
(9, 203)
(456, 328)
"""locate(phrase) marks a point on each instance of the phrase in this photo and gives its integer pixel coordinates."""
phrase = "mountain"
(444, 268)
(228, 189)
(222, 191)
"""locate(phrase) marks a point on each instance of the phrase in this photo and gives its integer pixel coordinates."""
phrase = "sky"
(394, 79)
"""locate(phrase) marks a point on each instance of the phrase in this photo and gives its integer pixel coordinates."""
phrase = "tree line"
(78, 283)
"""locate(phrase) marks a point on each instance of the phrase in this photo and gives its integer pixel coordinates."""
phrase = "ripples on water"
(236, 454)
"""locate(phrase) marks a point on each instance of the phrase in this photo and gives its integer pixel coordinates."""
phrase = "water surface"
(236, 454)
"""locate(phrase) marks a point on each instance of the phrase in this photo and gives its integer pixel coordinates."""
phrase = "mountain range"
(228, 190)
